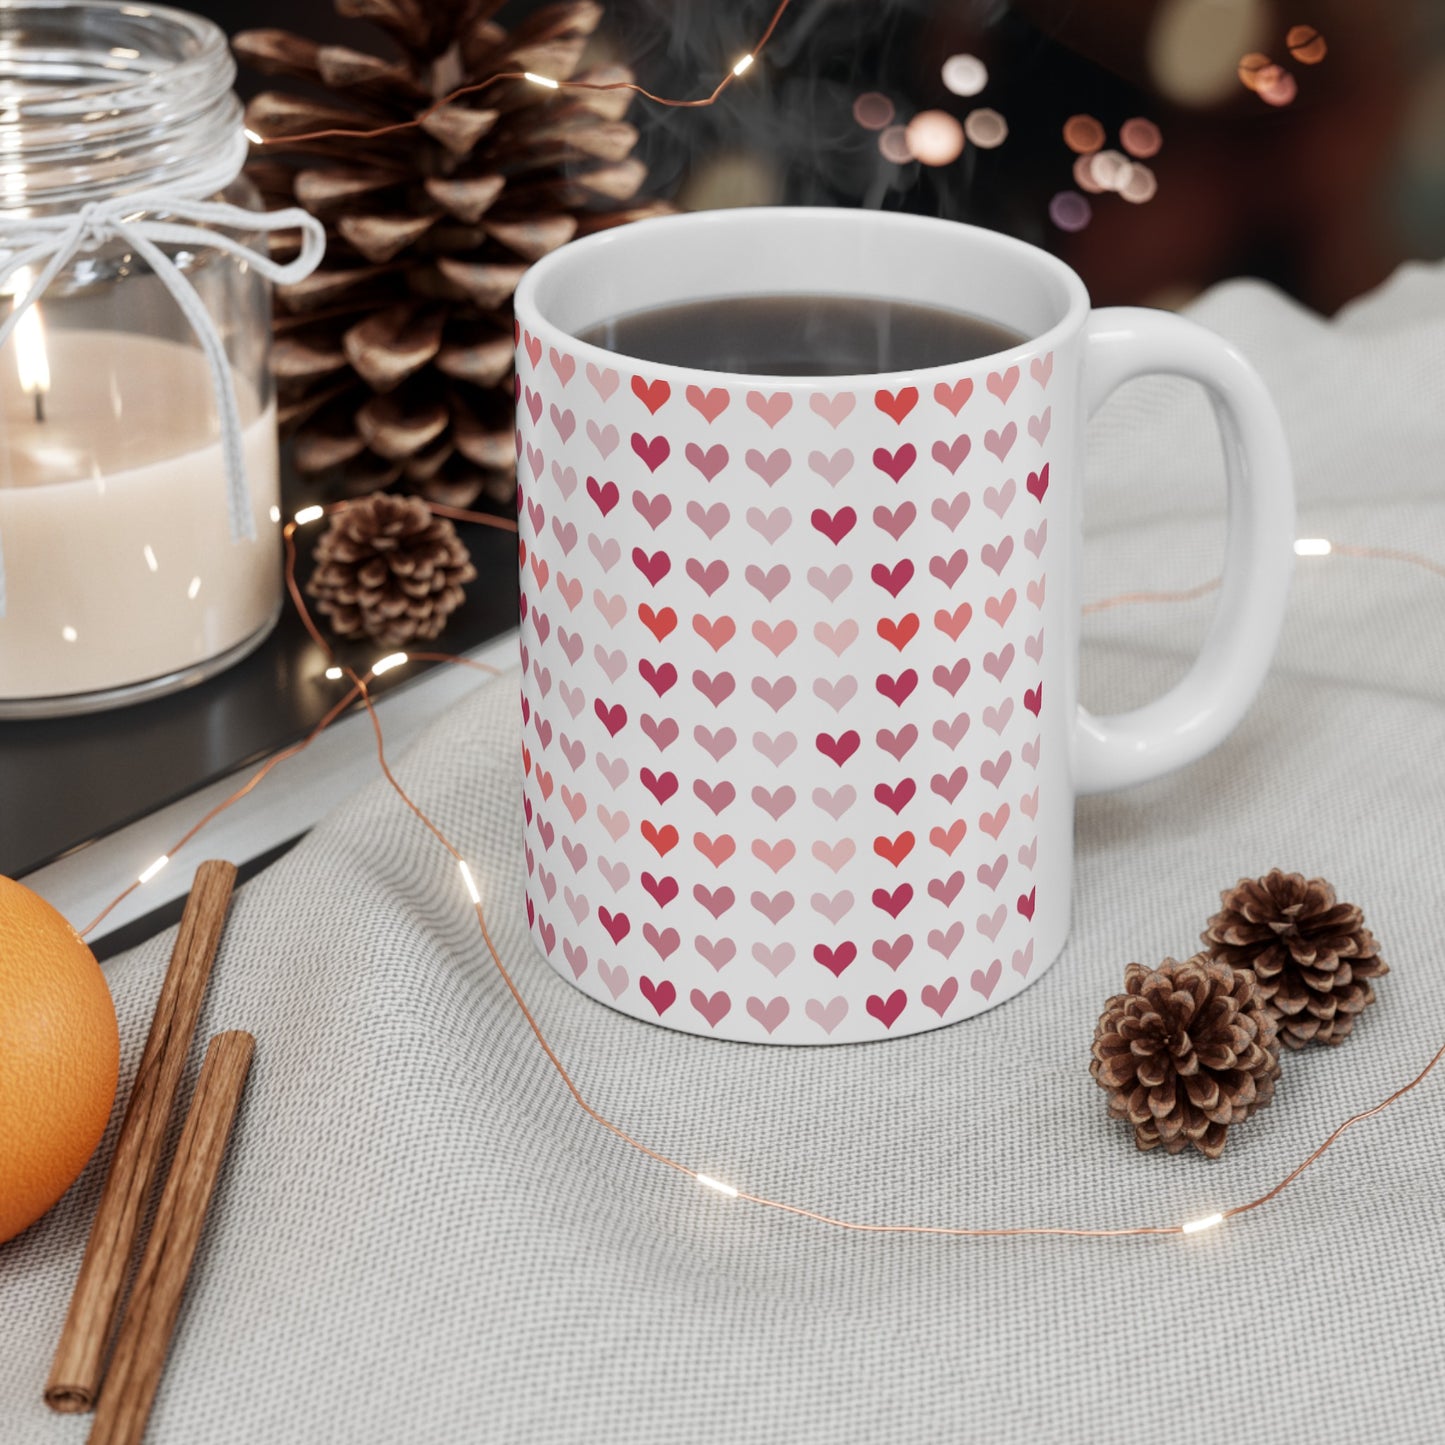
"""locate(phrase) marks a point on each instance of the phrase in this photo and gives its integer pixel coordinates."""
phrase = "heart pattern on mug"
(785, 756)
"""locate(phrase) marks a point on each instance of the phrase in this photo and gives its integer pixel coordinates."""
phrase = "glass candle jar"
(139, 510)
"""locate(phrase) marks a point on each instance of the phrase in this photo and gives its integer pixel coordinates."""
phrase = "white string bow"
(52, 242)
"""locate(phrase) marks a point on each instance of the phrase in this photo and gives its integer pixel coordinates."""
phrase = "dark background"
(1323, 196)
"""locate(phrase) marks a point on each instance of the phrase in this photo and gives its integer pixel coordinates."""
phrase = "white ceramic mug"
(801, 734)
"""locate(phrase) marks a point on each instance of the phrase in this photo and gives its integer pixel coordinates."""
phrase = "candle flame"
(32, 361)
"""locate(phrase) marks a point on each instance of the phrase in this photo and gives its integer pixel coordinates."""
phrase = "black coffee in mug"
(801, 335)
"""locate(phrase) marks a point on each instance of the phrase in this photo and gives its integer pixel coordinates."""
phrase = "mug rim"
(582, 252)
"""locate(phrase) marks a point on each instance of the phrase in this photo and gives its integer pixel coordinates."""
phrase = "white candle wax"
(113, 518)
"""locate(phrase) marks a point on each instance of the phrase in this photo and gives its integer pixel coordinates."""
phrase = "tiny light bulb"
(708, 1182)
(333, 674)
(1313, 547)
(155, 868)
(385, 664)
(256, 140)
(743, 63)
(541, 80)
(309, 514)
(275, 513)
(1195, 1226)
(469, 880)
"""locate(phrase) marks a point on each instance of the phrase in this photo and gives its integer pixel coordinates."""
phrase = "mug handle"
(1196, 715)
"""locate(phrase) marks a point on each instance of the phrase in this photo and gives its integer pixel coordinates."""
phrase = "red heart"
(534, 347)
(664, 839)
(618, 925)
(1038, 482)
(886, 1010)
(1034, 699)
(839, 749)
(895, 799)
(652, 394)
(897, 689)
(835, 960)
(613, 718)
(654, 567)
(896, 404)
(1027, 901)
(899, 633)
(659, 624)
(837, 525)
(605, 494)
(653, 451)
(660, 677)
(893, 579)
(663, 890)
(661, 996)
(895, 464)
(894, 850)
(661, 787)
(895, 902)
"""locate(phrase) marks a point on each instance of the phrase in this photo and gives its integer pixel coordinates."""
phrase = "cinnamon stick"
(79, 1362)
(160, 1283)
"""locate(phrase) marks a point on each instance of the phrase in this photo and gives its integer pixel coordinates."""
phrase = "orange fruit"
(59, 1056)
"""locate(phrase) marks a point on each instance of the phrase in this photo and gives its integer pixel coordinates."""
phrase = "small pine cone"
(1313, 956)
(387, 569)
(1185, 1051)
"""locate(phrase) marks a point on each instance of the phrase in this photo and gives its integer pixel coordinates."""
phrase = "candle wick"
(39, 404)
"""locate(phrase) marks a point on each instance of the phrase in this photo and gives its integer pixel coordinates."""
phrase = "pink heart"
(653, 510)
(775, 958)
(563, 366)
(833, 409)
(941, 998)
(991, 924)
(1038, 425)
(837, 639)
(1002, 384)
(771, 408)
(833, 468)
(769, 467)
(1023, 958)
(895, 521)
(708, 404)
(565, 478)
(769, 583)
(1041, 368)
(837, 694)
(894, 953)
(709, 462)
(604, 382)
(774, 803)
(827, 1015)
(717, 744)
(945, 890)
(709, 576)
(715, 1009)
(834, 856)
(999, 499)
(997, 664)
(952, 455)
(718, 952)
(1001, 443)
(831, 584)
(950, 734)
(951, 513)
(944, 942)
(985, 983)
(991, 874)
(604, 438)
(1035, 538)
(994, 823)
(770, 526)
(834, 909)
(774, 908)
(995, 558)
(615, 977)
(776, 750)
(708, 520)
(576, 958)
(836, 802)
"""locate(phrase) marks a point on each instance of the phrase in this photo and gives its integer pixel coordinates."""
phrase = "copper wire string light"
(547, 82)
(360, 690)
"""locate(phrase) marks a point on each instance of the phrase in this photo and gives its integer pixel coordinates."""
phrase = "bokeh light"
(1250, 67)
(985, 128)
(1110, 170)
(1070, 211)
(893, 142)
(1140, 185)
(964, 74)
(934, 137)
(872, 111)
(1083, 134)
(1275, 85)
(1306, 44)
(1140, 137)
(1084, 175)
(1194, 46)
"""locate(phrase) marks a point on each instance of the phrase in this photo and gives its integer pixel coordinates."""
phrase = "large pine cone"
(1313, 956)
(1185, 1051)
(387, 569)
(394, 360)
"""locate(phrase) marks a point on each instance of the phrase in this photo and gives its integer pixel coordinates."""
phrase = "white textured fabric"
(419, 1237)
